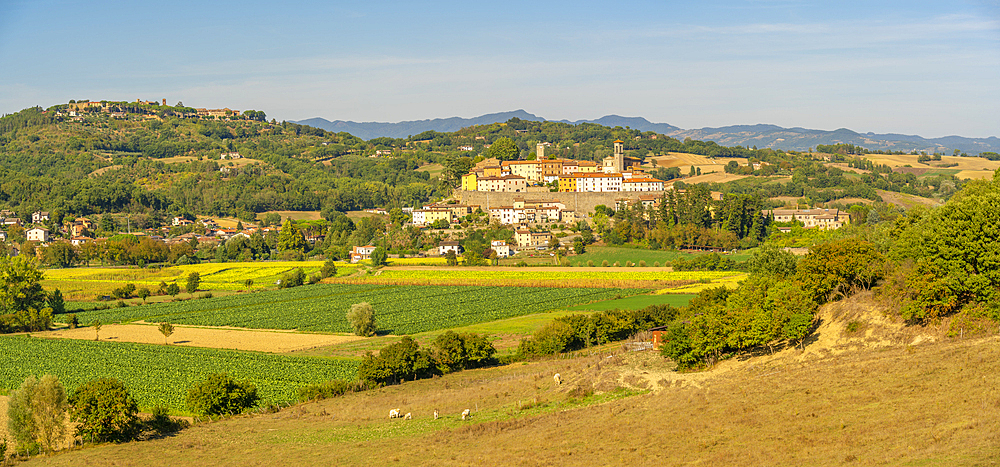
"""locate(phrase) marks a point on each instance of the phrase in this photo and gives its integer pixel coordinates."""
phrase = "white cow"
(558, 378)
(465, 413)
(408, 416)
(394, 413)
(435, 414)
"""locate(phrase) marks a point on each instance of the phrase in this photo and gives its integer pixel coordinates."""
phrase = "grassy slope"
(929, 404)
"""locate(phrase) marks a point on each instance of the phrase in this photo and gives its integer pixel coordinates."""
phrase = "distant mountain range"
(761, 136)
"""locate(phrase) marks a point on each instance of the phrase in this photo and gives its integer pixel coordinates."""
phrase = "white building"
(501, 247)
(37, 234)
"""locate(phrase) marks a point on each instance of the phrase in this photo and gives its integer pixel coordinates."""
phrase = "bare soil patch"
(276, 341)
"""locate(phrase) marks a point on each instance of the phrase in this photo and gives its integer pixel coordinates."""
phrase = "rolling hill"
(762, 136)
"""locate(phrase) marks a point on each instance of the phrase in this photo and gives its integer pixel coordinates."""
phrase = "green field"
(611, 254)
(160, 374)
(637, 302)
(553, 274)
(322, 307)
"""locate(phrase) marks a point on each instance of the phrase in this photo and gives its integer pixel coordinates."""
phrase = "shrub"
(604, 263)
(629, 264)
(325, 390)
(220, 394)
(316, 277)
(590, 264)
(105, 411)
(617, 264)
(74, 322)
(553, 338)
(396, 362)
(656, 264)
(207, 295)
(454, 352)
(642, 263)
(329, 269)
(292, 278)
(160, 422)
(521, 263)
(362, 319)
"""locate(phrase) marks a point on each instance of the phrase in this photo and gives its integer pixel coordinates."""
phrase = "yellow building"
(567, 182)
(469, 182)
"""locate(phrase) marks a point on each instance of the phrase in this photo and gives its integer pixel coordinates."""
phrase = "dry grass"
(975, 174)
(294, 215)
(192, 336)
(905, 402)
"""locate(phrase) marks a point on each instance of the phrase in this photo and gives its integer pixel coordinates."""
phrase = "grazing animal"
(558, 378)
(435, 414)
(408, 416)
(465, 413)
(394, 413)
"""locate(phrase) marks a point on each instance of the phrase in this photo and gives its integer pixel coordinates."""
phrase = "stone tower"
(619, 156)
(540, 151)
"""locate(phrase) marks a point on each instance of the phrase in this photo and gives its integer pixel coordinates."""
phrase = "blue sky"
(914, 67)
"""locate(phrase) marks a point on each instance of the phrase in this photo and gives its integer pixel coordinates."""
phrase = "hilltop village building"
(615, 173)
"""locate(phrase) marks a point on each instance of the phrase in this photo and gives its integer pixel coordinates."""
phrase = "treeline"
(686, 219)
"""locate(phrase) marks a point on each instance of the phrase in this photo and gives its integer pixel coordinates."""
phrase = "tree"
(97, 329)
(36, 413)
(451, 258)
(290, 237)
(362, 319)
(60, 254)
(504, 149)
(840, 266)
(173, 289)
(56, 302)
(220, 394)
(20, 286)
(166, 329)
(379, 256)
(329, 269)
(105, 411)
(143, 293)
(193, 280)
(769, 260)
(248, 283)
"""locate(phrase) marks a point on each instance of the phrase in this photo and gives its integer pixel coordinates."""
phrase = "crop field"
(611, 254)
(161, 374)
(551, 277)
(87, 283)
(322, 307)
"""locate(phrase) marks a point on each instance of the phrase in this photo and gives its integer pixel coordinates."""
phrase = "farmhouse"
(811, 218)
(529, 239)
(501, 248)
(446, 246)
(361, 253)
(38, 217)
(37, 234)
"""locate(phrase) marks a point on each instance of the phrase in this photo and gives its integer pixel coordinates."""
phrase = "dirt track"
(238, 339)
